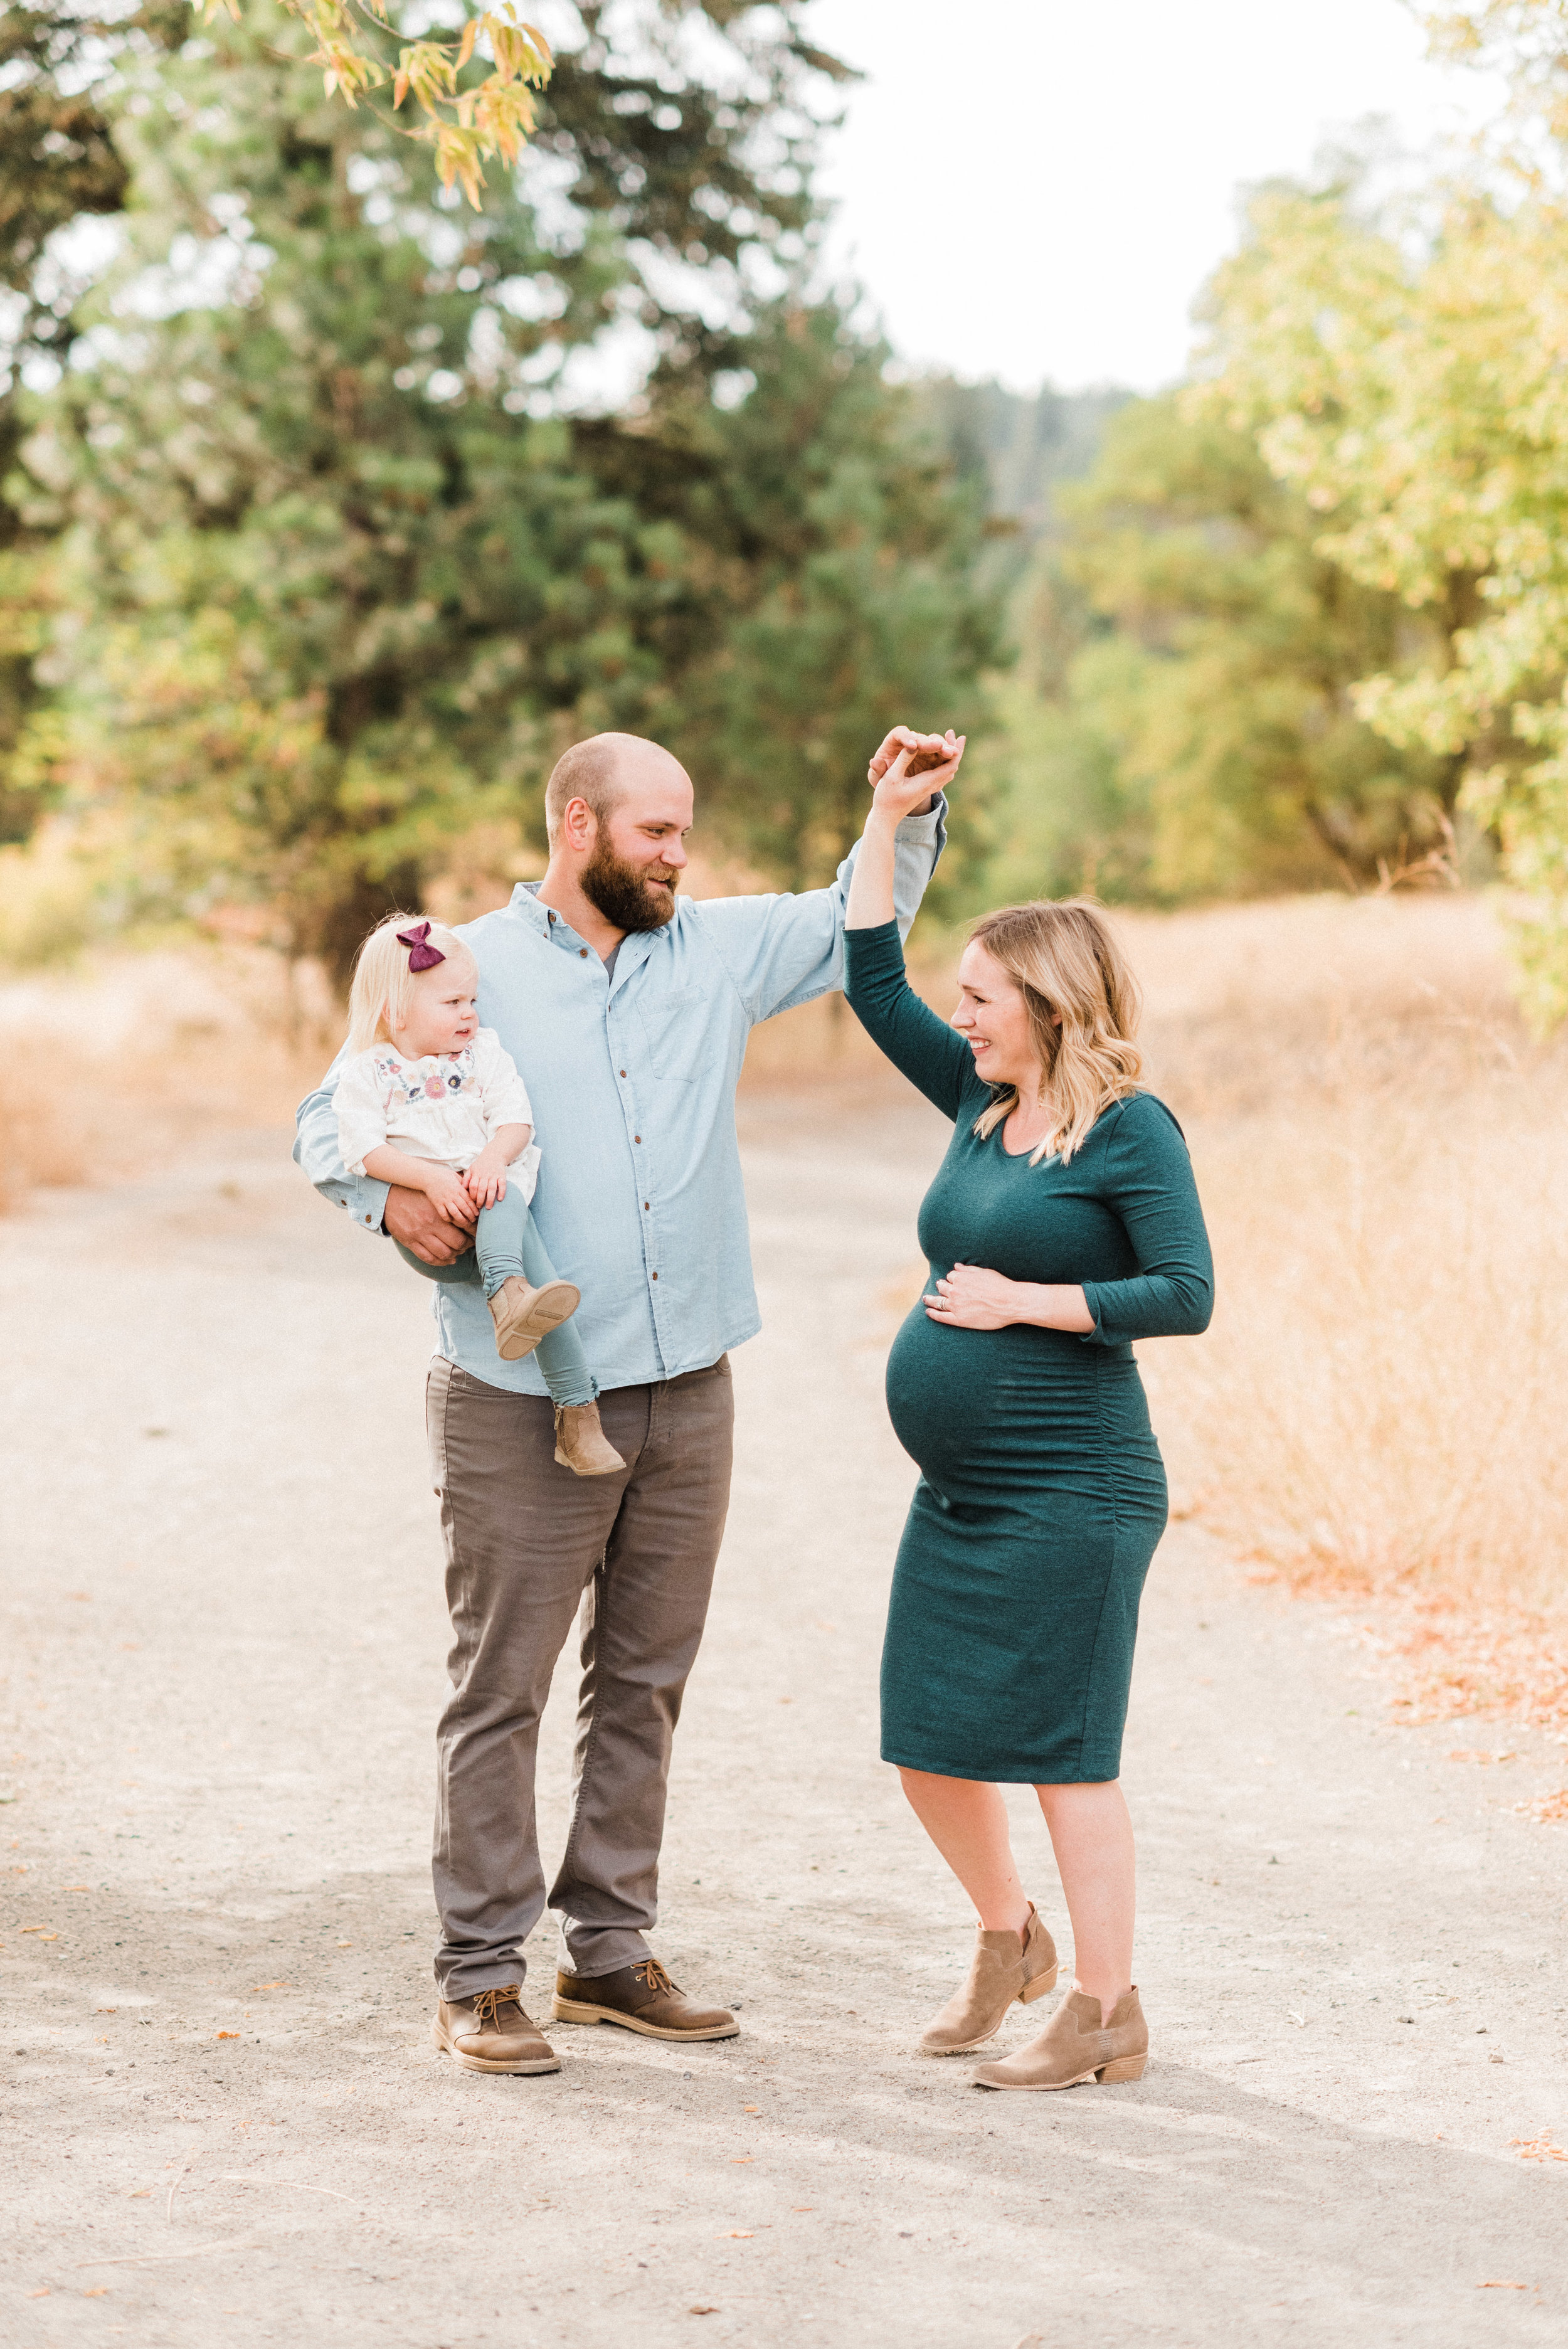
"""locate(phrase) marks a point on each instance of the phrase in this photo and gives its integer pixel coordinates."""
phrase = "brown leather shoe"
(639, 1997)
(1076, 2045)
(581, 1443)
(1006, 1966)
(523, 1316)
(491, 2032)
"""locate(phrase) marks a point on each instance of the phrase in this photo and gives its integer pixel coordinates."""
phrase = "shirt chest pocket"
(675, 1025)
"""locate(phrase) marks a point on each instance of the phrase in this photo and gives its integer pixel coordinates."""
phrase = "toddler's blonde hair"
(382, 994)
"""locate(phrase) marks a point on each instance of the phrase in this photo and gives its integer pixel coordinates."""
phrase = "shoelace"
(653, 1974)
(487, 2002)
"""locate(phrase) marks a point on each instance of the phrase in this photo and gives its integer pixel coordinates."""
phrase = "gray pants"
(524, 1540)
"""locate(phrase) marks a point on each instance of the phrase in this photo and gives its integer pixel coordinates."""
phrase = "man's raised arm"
(784, 950)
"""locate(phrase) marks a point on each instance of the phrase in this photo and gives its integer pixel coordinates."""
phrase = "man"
(626, 1008)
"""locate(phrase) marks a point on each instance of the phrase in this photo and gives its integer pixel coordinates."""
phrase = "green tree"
(58, 162)
(1414, 400)
(353, 550)
(856, 552)
(1199, 659)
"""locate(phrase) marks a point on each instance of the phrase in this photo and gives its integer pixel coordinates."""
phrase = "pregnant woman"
(1062, 1224)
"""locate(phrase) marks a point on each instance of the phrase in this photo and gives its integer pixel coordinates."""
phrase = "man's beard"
(622, 894)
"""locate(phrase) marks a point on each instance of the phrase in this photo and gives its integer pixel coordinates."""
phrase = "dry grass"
(121, 1064)
(1381, 1156)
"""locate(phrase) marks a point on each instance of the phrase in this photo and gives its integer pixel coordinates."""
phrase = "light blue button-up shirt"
(633, 1083)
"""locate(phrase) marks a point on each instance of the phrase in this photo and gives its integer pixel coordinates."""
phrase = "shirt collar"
(554, 928)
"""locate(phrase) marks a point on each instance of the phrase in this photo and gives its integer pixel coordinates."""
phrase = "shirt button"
(644, 1207)
(656, 1276)
(623, 1072)
(581, 954)
(637, 1137)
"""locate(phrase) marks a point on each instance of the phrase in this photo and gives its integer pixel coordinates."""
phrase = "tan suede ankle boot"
(1076, 2045)
(523, 1316)
(581, 1443)
(1003, 1969)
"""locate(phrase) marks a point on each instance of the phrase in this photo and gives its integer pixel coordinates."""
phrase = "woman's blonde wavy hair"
(1084, 1005)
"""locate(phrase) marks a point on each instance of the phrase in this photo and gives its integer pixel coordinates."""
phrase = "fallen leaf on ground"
(42, 1931)
(741, 2156)
(1492, 2285)
(269, 1986)
(1538, 2149)
(704, 2308)
(228, 2034)
(738, 2235)
(98, 2293)
(39, 2296)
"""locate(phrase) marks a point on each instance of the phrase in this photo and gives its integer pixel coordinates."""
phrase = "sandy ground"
(224, 1658)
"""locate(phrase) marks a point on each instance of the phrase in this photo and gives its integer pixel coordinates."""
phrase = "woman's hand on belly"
(972, 1298)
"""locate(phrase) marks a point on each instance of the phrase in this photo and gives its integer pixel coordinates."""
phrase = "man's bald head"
(601, 771)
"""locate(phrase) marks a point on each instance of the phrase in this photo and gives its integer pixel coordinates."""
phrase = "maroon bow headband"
(422, 955)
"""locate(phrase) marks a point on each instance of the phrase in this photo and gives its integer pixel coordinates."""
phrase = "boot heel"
(1126, 2068)
(1038, 1987)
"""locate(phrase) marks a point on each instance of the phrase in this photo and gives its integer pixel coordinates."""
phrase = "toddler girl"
(431, 1102)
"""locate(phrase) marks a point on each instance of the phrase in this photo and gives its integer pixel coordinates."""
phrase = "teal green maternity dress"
(1042, 1493)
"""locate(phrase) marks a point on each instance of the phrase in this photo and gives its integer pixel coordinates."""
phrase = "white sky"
(1037, 189)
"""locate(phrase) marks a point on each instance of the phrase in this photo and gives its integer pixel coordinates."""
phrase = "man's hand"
(418, 1222)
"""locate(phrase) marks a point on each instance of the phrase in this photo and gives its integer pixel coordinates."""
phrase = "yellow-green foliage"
(1420, 408)
(1185, 724)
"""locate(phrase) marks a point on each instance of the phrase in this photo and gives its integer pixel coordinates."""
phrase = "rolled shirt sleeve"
(318, 1153)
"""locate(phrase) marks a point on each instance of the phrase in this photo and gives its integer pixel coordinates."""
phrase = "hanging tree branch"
(489, 121)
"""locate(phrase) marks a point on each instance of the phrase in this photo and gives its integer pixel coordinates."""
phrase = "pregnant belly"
(994, 1417)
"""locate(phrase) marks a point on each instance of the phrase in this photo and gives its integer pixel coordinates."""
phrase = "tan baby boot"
(1004, 1968)
(523, 1316)
(1076, 2045)
(581, 1444)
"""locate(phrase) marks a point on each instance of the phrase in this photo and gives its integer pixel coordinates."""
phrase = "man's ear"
(579, 825)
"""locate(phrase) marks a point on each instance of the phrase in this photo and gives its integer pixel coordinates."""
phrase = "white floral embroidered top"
(444, 1107)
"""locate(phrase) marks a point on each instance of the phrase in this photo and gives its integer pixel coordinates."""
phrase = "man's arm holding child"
(406, 1214)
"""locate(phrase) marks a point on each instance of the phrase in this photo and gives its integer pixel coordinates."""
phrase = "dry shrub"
(1380, 1153)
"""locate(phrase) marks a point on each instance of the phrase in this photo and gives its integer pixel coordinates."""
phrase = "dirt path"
(223, 1657)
